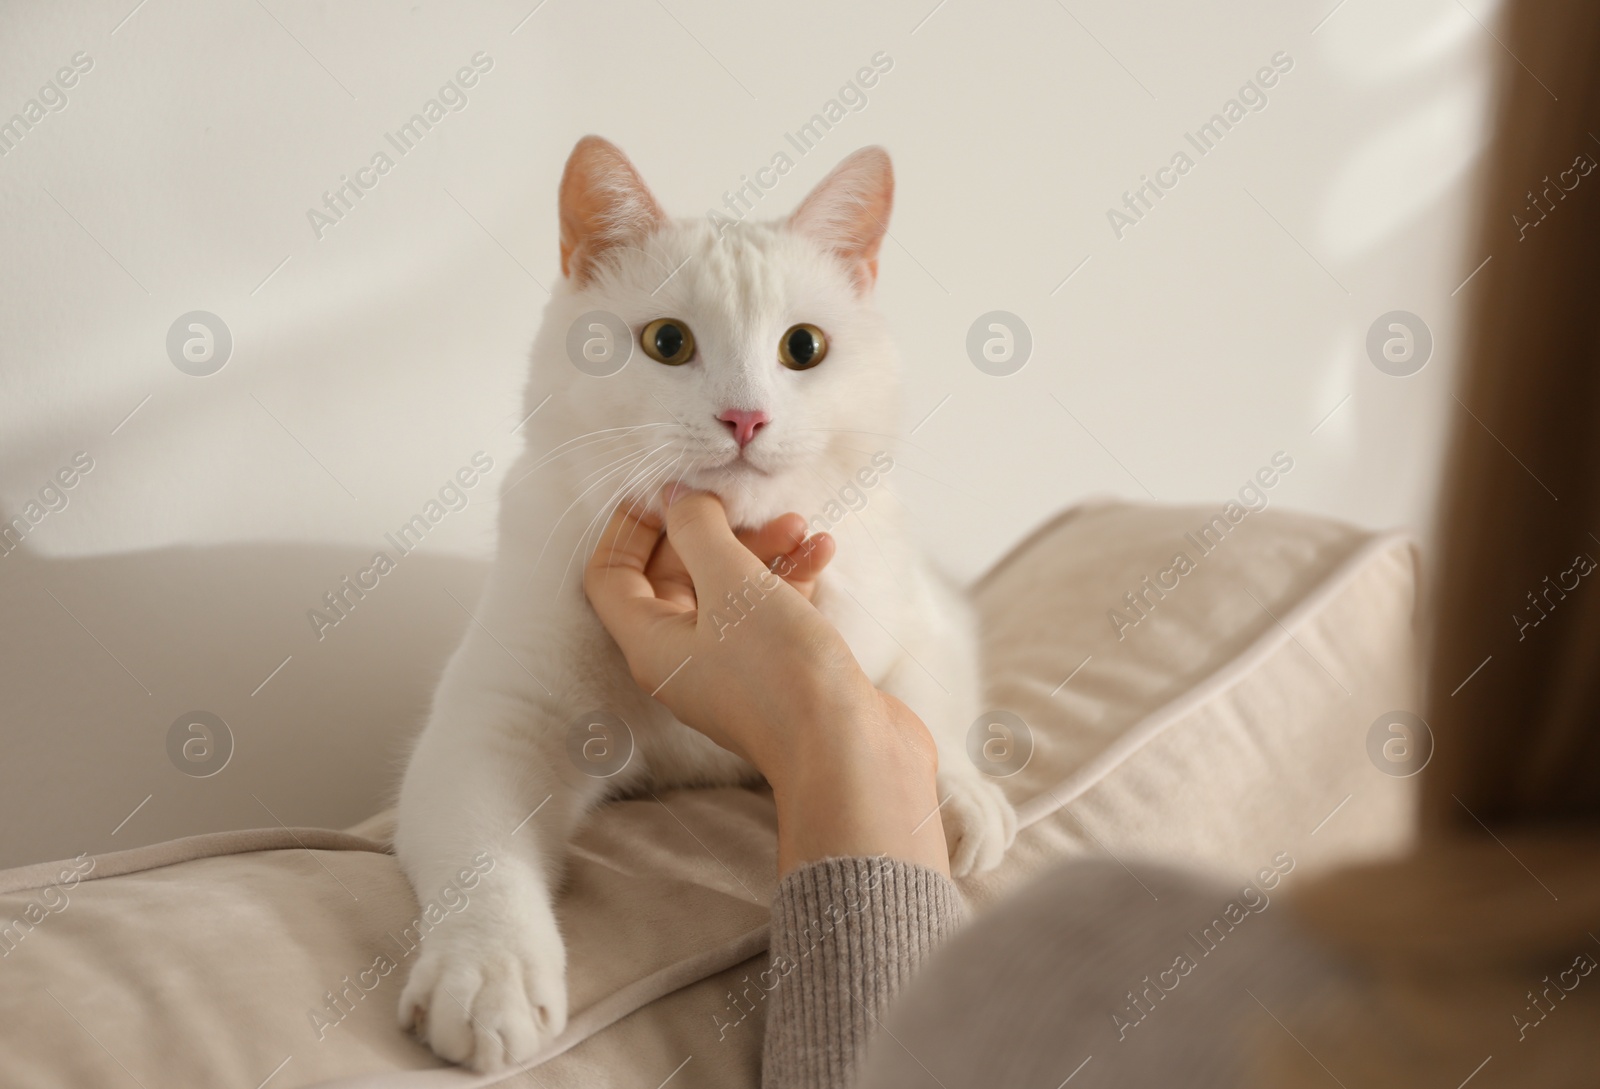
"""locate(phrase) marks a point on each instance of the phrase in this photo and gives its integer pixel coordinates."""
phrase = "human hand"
(781, 545)
(852, 769)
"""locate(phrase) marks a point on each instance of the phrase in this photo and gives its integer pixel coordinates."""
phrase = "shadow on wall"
(104, 662)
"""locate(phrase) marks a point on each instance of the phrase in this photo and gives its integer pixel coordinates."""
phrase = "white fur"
(489, 986)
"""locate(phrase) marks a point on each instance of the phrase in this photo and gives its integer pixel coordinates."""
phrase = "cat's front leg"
(483, 796)
(979, 823)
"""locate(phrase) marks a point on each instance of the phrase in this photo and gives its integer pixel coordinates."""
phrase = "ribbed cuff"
(846, 935)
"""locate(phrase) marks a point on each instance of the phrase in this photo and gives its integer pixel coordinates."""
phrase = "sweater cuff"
(847, 933)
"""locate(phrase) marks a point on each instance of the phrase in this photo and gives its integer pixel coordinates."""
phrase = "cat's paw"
(487, 1001)
(979, 823)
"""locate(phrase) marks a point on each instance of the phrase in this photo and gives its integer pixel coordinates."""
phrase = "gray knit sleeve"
(847, 933)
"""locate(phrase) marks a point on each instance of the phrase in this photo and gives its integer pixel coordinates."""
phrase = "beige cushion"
(1227, 726)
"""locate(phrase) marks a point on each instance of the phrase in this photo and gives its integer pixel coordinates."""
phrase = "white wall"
(370, 363)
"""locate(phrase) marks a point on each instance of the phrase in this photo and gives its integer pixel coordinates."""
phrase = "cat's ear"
(848, 212)
(604, 203)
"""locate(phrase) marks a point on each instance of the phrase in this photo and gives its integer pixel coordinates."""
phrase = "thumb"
(697, 526)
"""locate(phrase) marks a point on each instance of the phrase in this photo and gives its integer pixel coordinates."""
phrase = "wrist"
(859, 787)
(847, 741)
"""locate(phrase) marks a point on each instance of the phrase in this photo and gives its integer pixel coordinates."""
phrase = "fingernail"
(672, 493)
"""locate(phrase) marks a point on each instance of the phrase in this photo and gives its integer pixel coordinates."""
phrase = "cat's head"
(757, 355)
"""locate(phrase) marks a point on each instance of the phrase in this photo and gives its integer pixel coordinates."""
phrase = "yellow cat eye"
(669, 341)
(802, 347)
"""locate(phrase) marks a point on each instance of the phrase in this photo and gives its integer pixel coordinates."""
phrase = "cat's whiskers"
(604, 431)
(609, 458)
(657, 479)
(639, 481)
(622, 464)
(608, 446)
(606, 434)
(862, 522)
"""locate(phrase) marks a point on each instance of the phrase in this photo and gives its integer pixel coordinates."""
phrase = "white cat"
(759, 371)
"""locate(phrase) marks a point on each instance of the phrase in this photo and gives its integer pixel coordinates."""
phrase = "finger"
(627, 542)
(670, 577)
(614, 577)
(769, 543)
(778, 537)
(812, 556)
(697, 526)
(801, 566)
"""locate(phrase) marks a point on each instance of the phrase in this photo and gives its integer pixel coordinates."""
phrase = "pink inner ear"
(849, 210)
(604, 203)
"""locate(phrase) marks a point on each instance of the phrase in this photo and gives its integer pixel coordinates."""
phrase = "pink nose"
(744, 424)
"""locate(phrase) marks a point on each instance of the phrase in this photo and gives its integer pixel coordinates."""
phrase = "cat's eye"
(669, 341)
(802, 347)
